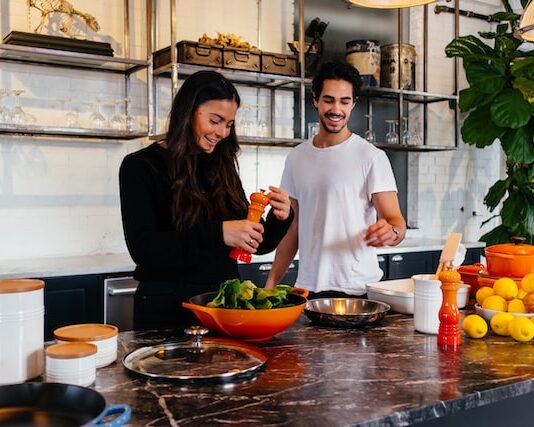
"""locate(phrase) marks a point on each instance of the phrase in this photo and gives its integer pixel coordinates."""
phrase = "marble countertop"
(122, 262)
(388, 375)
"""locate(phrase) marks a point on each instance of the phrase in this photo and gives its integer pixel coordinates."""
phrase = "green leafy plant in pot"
(500, 102)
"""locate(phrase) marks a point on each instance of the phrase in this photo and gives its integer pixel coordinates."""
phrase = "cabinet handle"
(121, 291)
(381, 258)
(397, 258)
(267, 267)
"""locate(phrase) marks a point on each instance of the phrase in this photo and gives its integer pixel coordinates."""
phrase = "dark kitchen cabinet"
(258, 272)
(404, 265)
(71, 300)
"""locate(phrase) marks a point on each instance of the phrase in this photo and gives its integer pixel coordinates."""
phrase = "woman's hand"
(279, 202)
(243, 234)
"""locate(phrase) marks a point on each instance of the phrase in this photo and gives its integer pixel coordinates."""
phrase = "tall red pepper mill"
(449, 315)
(258, 201)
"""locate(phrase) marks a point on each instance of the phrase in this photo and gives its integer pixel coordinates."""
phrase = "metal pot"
(57, 405)
(514, 259)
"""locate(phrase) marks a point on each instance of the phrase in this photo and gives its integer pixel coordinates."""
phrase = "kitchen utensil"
(488, 314)
(258, 201)
(197, 359)
(399, 294)
(21, 330)
(57, 405)
(71, 363)
(248, 325)
(449, 336)
(103, 336)
(345, 312)
(449, 251)
(514, 259)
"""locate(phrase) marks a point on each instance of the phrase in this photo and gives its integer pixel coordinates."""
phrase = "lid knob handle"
(517, 240)
(196, 332)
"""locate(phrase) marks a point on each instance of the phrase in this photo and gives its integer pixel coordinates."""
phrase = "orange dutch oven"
(510, 259)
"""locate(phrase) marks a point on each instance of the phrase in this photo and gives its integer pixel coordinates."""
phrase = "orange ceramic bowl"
(247, 325)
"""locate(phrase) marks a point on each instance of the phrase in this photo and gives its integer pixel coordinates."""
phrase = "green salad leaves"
(246, 295)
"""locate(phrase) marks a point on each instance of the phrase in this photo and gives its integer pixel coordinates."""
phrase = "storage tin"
(103, 336)
(239, 59)
(189, 52)
(364, 55)
(278, 63)
(71, 363)
(21, 330)
(389, 67)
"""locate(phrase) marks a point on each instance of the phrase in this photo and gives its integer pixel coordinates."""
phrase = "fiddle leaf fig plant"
(500, 106)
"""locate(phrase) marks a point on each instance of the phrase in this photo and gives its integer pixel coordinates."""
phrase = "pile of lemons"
(507, 298)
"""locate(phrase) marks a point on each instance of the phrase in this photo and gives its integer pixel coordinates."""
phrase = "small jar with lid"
(71, 363)
(103, 336)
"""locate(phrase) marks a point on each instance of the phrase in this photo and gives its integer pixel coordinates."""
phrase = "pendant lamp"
(526, 24)
(390, 4)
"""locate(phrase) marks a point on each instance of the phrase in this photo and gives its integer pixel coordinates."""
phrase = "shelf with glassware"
(69, 52)
(255, 123)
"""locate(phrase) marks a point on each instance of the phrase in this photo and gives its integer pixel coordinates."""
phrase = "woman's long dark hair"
(215, 192)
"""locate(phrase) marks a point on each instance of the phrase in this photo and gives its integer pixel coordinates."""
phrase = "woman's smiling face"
(212, 122)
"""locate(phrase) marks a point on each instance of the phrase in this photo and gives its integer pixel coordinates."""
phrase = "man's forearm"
(285, 253)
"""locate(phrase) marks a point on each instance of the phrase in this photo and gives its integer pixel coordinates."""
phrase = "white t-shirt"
(333, 187)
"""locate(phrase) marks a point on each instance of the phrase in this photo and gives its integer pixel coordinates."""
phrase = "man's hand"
(381, 234)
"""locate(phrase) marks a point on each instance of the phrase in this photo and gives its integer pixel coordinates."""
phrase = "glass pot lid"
(215, 359)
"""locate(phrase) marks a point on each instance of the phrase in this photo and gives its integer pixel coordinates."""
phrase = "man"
(344, 196)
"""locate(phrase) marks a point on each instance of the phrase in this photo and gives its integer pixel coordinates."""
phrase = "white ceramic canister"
(103, 336)
(21, 330)
(71, 363)
(427, 302)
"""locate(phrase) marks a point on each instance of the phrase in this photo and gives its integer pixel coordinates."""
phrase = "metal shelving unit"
(124, 66)
(300, 84)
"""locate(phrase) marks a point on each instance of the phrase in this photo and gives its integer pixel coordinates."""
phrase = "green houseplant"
(500, 106)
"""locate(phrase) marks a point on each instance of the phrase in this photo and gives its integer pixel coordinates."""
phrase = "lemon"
(527, 283)
(516, 306)
(506, 288)
(499, 323)
(521, 294)
(475, 326)
(494, 302)
(483, 293)
(521, 329)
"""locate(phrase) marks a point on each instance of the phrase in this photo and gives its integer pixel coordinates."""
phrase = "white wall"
(60, 196)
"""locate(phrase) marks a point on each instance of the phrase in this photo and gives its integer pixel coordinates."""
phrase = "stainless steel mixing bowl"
(345, 312)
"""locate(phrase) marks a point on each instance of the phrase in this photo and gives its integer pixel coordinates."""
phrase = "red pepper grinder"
(258, 201)
(449, 315)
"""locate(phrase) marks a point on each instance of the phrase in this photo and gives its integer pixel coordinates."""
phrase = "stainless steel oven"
(118, 301)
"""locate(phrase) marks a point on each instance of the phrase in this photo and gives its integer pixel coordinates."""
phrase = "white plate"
(488, 314)
(399, 294)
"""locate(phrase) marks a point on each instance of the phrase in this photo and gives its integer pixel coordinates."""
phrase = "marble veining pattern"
(388, 375)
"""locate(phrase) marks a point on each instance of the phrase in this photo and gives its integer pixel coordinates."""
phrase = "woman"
(183, 205)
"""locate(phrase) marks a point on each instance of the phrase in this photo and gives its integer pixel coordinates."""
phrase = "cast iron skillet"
(57, 405)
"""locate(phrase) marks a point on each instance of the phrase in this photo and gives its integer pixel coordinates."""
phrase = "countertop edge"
(445, 408)
(111, 263)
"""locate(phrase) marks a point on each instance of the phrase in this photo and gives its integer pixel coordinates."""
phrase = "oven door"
(118, 301)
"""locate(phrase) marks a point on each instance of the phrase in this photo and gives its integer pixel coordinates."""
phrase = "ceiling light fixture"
(526, 24)
(389, 4)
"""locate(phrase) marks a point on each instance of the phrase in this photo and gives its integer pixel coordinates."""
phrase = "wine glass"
(129, 119)
(263, 127)
(392, 137)
(71, 118)
(5, 114)
(18, 115)
(406, 135)
(98, 120)
(118, 121)
(369, 134)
